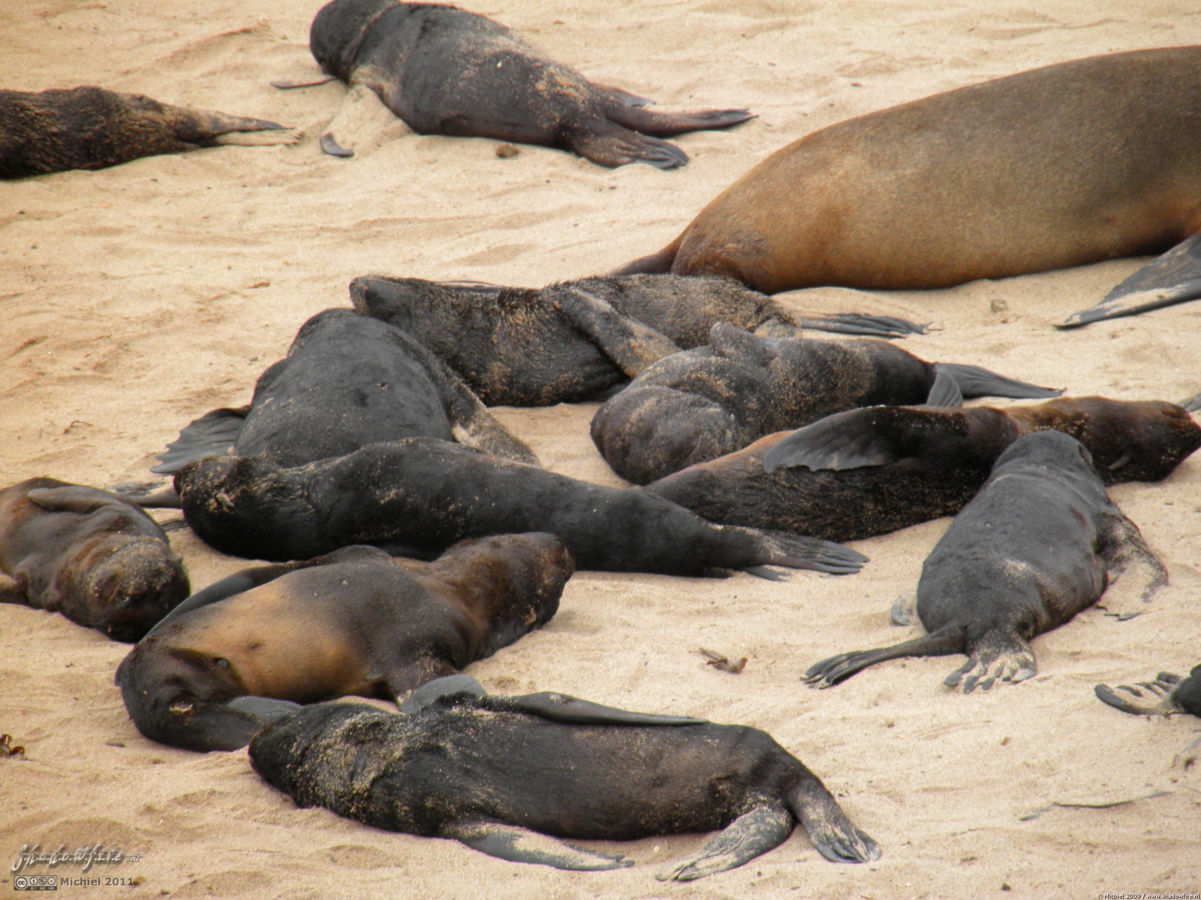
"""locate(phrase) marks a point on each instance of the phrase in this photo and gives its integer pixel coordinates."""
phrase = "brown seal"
(88, 554)
(1055, 167)
(509, 775)
(444, 70)
(357, 621)
(90, 128)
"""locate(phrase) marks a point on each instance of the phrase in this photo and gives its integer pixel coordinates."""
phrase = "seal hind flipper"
(832, 833)
(1123, 547)
(669, 124)
(1154, 698)
(836, 669)
(213, 434)
(610, 145)
(518, 844)
(623, 98)
(447, 686)
(73, 498)
(1002, 655)
(330, 147)
(796, 551)
(976, 381)
(1174, 277)
(628, 343)
(752, 834)
(946, 392)
(863, 324)
(572, 710)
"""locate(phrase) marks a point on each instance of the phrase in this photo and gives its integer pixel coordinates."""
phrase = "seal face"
(444, 70)
(872, 471)
(1037, 544)
(502, 774)
(91, 128)
(88, 554)
(357, 621)
(702, 403)
(974, 183)
(347, 381)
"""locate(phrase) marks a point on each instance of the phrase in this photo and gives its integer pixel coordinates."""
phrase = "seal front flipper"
(975, 381)
(752, 834)
(853, 439)
(213, 434)
(1174, 277)
(574, 711)
(522, 845)
(628, 343)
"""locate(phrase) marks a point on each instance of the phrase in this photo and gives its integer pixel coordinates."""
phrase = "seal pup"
(576, 340)
(702, 403)
(426, 494)
(1040, 542)
(509, 775)
(357, 621)
(91, 128)
(974, 183)
(444, 70)
(1166, 695)
(347, 381)
(88, 554)
(872, 471)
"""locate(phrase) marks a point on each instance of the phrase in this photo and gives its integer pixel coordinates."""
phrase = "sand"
(136, 298)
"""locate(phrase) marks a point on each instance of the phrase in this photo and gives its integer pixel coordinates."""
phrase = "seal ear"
(441, 687)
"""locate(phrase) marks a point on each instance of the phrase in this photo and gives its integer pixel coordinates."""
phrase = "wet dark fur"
(88, 554)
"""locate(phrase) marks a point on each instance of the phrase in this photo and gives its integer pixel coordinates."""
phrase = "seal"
(347, 381)
(89, 555)
(249, 648)
(974, 183)
(426, 494)
(1166, 695)
(444, 70)
(872, 471)
(504, 774)
(577, 340)
(91, 128)
(1039, 543)
(702, 403)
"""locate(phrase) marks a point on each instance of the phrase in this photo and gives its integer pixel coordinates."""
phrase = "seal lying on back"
(444, 70)
(1035, 546)
(1166, 695)
(90, 128)
(347, 381)
(700, 404)
(872, 471)
(504, 774)
(247, 649)
(426, 494)
(975, 183)
(88, 554)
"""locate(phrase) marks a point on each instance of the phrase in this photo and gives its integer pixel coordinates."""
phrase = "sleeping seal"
(1039, 542)
(88, 554)
(444, 70)
(976, 183)
(247, 649)
(509, 775)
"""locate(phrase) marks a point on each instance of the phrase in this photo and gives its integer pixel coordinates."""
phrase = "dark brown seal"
(426, 494)
(976, 183)
(872, 471)
(90, 128)
(702, 403)
(509, 775)
(357, 621)
(1039, 543)
(444, 70)
(88, 554)
(1166, 695)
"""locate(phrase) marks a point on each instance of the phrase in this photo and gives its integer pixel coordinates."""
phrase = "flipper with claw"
(830, 672)
(1146, 698)
(751, 834)
(522, 845)
(997, 657)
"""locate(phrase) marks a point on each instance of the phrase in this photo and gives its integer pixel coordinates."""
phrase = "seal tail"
(666, 124)
(836, 669)
(794, 551)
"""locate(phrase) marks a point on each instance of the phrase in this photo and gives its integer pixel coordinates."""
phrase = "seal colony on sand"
(576, 340)
(1038, 544)
(509, 775)
(426, 494)
(1166, 695)
(91, 128)
(247, 649)
(444, 70)
(88, 554)
(347, 381)
(974, 183)
(872, 471)
(699, 404)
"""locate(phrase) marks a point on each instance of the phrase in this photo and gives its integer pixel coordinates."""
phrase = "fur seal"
(88, 554)
(426, 494)
(444, 70)
(1166, 695)
(872, 471)
(347, 381)
(702, 403)
(509, 775)
(249, 648)
(91, 128)
(576, 340)
(1039, 543)
(975, 183)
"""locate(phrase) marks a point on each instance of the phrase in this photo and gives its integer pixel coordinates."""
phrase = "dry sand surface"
(136, 298)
